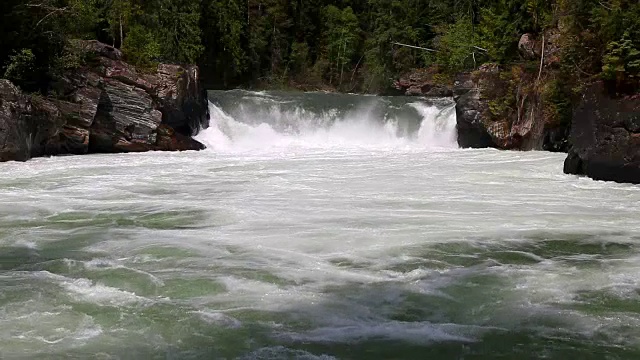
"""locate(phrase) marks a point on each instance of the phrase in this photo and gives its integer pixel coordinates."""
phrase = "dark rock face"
(605, 137)
(14, 126)
(182, 98)
(472, 132)
(106, 107)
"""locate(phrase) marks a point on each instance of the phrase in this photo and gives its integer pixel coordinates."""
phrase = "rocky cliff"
(104, 106)
(506, 109)
(510, 108)
(605, 137)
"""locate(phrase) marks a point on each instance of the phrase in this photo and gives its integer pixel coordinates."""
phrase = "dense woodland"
(348, 45)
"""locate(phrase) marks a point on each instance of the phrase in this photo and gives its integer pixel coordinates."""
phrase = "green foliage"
(223, 25)
(299, 57)
(557, 101)
(342, 37)
(503, 92)
(179, 30)
(20, 66)
(622, 59)
(499, 35)
(141, 47)
(119, 16)
(455, 46)
(349, 44)
(84, 15)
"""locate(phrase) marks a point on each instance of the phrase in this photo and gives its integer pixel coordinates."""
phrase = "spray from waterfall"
(251, 121)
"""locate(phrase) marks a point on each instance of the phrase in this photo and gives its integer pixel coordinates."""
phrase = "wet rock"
(183, 100)
(472, 132)
(605, 137)
(170, 140)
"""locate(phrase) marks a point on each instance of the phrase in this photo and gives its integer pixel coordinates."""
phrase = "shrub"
(20, 66)
(141, 48)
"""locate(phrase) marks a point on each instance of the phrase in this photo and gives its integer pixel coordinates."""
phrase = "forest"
(348, 45)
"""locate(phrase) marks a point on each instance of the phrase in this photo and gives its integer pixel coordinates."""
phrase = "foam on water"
(317, 231)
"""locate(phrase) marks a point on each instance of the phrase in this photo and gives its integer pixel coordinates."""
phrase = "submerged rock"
(605, 137)
(105, 107)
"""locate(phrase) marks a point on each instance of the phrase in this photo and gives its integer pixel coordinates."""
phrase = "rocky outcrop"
(104, 107)
(605, 137)
(183, 100)
(422, 82)
(530, 46)
(499, 109)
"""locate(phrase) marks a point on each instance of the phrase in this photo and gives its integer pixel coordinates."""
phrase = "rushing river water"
(311, 231)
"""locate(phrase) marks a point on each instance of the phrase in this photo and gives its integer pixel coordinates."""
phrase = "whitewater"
(317, 226)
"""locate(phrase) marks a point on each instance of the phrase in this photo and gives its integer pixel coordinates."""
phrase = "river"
(317, 226)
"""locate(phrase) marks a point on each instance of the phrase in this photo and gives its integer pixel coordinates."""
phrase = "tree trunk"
(121, 32)
(344, 50)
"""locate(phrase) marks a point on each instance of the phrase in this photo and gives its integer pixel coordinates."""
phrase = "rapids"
(317, 226)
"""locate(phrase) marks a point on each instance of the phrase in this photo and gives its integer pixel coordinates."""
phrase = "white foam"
(94, 292)
(438, 128)
(219, 319)
(303, 129)
(87, 290)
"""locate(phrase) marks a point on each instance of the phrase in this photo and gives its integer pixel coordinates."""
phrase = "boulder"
(529, 48)
(605, 137)
(98, 48)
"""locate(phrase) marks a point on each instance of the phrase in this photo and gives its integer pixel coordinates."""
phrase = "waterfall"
(242, 121)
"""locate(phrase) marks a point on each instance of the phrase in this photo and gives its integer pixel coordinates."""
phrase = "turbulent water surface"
(317, 227)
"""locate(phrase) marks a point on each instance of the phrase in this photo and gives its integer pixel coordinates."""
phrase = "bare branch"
(414, 47)
(541, 58)
(51, 14)
(51, 9)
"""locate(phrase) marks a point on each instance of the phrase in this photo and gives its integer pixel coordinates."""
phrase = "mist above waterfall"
(258, 121)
